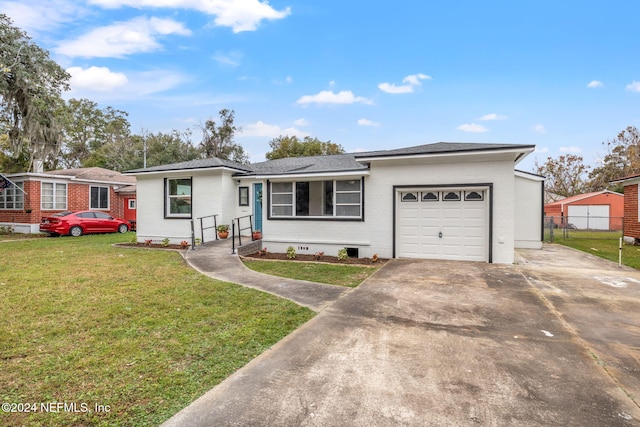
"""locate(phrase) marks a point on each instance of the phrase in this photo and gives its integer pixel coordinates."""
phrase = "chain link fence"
(582, 227)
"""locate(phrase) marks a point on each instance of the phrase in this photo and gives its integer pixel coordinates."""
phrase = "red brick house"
(631, 217)
(61, 190)
(600, 210)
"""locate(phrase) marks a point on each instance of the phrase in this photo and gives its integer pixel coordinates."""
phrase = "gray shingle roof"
(315, 164)
(440, 148)
(212, 162)
(330, 163)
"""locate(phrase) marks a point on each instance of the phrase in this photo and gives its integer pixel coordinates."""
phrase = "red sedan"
(82, 222)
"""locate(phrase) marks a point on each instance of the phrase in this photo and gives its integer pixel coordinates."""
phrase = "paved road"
(552, 341)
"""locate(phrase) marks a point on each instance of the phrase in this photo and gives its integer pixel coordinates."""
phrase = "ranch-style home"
(38, 194)
(455, 201)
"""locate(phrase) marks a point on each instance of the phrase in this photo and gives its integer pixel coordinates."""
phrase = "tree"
(291, 146)
(87, 129)
(30, 89)
(217, 140)
(564, 176)
(622, 159)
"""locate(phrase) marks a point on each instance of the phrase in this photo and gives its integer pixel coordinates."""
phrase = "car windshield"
(65, 213)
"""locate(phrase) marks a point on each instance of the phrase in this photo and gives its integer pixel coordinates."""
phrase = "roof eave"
(522, 150)
(137, 172)
(352, 172)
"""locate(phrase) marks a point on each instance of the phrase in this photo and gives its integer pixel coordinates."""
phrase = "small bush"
(318, 255)
(165, 242)
(263, 252)
(184, 244)
(148, 242)
(134, 239)
(291, 252)
(342, 254)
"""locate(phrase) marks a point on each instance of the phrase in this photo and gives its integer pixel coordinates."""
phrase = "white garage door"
(591, 217)
(443, 224)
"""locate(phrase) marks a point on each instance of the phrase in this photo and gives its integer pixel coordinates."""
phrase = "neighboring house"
(600, 210)
(457, 201)
(631, 206)
(550, 197)
(46, 193)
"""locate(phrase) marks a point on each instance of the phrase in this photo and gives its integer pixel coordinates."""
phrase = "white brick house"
(460, 201)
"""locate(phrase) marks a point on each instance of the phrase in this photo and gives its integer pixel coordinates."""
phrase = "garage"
(589, 217)
(443, 223)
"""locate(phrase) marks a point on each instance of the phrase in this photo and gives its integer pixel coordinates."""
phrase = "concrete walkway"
(215, 260)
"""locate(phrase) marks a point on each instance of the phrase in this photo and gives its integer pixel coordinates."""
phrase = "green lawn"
(603, 244)
(341, 275)
(132, 329)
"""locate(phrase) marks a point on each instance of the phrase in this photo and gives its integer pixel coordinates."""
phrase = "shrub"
(342, 254)
(263, 252)
(165, 242)
(184, 244)
(291, 252)
(318, 255)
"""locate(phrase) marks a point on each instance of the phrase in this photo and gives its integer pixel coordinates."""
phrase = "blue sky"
(563, 75)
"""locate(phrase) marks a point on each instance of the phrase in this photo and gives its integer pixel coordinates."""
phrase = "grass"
(604, 244)
(87, 323)
(341, 275)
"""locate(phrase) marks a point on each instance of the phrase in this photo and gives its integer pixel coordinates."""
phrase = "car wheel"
(122, 228)
(75, 231)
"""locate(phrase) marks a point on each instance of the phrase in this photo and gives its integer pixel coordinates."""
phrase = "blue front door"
(257, 206)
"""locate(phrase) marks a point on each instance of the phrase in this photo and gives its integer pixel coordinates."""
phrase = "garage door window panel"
(474, 196)
(430, 196)
(451, 196)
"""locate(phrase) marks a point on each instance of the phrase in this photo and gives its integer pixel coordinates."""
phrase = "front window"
(317, 199)
(11, 197)
(178, 203)
(53, 196)
(243, 196)
(99, 197)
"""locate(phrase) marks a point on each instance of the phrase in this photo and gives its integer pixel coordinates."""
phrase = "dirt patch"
(152, 246)
(324, 258)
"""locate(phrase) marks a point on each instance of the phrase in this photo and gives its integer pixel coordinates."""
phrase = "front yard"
(98, 335)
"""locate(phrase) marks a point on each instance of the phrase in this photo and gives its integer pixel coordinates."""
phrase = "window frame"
(54, 196)
(17, 197)
(169, 197)
(131, 204)
(243, 196)
(99, 187)
(335, 206)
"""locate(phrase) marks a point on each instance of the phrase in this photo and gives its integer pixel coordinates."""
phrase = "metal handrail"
(233, 231)
(215, 225)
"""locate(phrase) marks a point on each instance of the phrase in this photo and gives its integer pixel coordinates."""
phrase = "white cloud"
(493, 116)
(261, 128)
(103, 85)
(329, 97)
(100, 79)
(41, 16)
(633, 86)
(573, 149)
(239, 15)
(412, 81)
(367, 122)
(229, 59)
(472, 127)
(539, 129)
(122, 38)
(594, 84)
(289, 79)
(541, 149)
(301, 122)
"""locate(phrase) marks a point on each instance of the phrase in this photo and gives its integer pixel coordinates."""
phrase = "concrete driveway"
(554, 340)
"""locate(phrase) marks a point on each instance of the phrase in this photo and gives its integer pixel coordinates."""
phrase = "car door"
(105, 222)
(88, 222)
